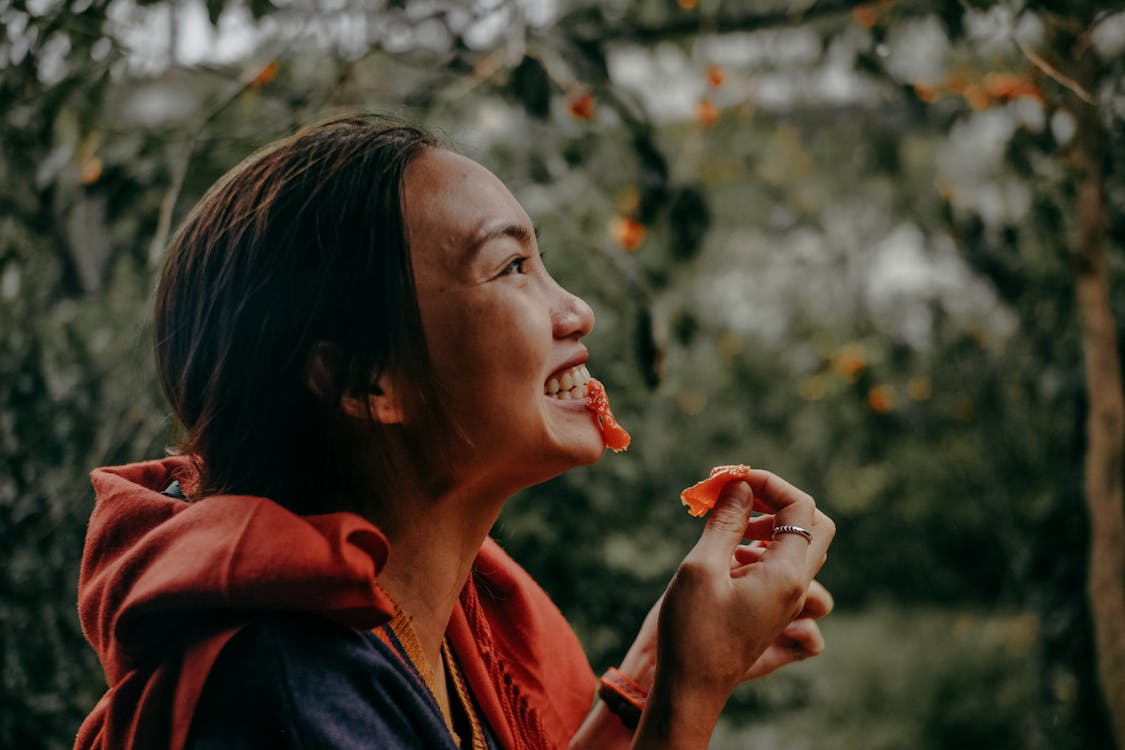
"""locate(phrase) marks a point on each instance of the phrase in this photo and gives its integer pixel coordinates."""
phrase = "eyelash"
(516, 264)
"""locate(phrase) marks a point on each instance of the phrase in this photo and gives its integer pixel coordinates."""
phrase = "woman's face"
(499, 329)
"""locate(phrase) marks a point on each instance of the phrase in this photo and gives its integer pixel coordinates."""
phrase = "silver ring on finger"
(788, 529)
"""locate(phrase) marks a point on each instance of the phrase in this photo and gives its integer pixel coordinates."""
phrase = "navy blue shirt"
(300, 681)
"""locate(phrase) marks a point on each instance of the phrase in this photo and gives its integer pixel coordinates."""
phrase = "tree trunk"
(1105, 420)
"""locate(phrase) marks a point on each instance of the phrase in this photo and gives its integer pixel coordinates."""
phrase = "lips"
(568, 384)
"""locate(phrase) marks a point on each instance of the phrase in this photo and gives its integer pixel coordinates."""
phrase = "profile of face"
(498, 327)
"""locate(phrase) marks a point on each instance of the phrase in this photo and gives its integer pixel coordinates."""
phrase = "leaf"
(530, 84)
(654, 176)
(214, 10)
(649, 356)
(685, 326)
(260, 8)
(689, 218)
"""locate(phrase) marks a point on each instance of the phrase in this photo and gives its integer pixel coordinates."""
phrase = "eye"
(515, 265)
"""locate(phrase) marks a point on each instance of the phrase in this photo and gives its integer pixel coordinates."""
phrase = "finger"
(818, 602)
(745, 554)
(759, 527)
(803, 637)
(775, 495)
(801, 640)
(726, 523)
(790, 506)
(823, 532)
(773, 658)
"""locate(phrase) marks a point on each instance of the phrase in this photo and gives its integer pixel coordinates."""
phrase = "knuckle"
(792, 590)
(728, 520)
(692, 570)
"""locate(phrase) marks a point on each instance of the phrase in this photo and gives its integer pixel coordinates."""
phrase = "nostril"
(574, 317)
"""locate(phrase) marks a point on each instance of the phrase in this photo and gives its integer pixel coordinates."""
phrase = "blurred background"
(875, 247)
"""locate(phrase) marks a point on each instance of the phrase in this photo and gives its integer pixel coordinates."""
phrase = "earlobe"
(380, 403)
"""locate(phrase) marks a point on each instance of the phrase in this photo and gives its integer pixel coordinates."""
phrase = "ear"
(380, 403)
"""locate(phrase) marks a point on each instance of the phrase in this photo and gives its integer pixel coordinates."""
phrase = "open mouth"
(568, 385)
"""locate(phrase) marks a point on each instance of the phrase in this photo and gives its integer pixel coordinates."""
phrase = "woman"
(356, 324)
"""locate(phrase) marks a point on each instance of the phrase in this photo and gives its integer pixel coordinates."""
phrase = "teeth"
(571, 385)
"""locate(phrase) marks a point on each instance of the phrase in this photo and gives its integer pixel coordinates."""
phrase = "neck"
(433, 544)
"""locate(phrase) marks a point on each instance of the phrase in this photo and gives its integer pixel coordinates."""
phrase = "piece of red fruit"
(701, 496)
(614, 435)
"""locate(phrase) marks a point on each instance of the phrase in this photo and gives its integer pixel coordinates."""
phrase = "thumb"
(726, 524)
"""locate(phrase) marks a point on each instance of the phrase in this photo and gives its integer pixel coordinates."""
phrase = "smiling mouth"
(569, 385)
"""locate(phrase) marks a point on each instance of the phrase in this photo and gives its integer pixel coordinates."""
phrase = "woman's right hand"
(717, 619)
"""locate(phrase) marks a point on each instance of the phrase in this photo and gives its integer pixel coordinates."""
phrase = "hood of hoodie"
(159, 572)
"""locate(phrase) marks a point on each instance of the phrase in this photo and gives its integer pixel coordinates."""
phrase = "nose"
(572, 317)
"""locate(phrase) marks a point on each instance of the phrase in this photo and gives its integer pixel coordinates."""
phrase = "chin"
(570, 457)
(586, 452)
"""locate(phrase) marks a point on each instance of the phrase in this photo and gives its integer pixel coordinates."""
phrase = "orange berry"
(91, 170)
(628, 232)
(265, 75)
(956, 82)
(865, 15)
(881, 399)
(582, 105)
(849, 361)
(1002, 85)
(706, 113)
(925, 93)
(715, 75)
(977, 97)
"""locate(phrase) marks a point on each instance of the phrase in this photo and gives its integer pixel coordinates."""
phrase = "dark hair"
(297, 254)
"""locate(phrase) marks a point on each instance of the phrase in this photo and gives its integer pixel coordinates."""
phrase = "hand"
(801, 638)
(719, 618)
(796, 638)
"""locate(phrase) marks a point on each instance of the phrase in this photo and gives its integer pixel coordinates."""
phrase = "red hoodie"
(166, 583)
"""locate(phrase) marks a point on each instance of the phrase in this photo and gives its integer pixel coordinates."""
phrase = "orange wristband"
(623, 696)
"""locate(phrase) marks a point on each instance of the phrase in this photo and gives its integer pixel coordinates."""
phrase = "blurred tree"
(1072, 64)
(839, 239)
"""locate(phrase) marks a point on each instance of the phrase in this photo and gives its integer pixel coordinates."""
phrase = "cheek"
(477, 345)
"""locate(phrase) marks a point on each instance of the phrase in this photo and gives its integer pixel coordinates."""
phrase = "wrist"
(640, 665)
(623, 696)
(678, 715)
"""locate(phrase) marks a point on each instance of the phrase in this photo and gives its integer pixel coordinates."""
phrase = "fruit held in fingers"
(702, 496)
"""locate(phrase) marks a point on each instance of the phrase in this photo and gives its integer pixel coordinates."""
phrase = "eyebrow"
(519, 232)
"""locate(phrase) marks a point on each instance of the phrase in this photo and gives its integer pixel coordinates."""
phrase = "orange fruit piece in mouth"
(702, 496)
(614, 435)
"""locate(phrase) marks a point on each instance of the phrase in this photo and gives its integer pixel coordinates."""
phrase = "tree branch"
(168, 203)
(693, 25)
(1053, 73)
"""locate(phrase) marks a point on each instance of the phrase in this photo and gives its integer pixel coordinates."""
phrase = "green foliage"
(870, 296)
(940, 679)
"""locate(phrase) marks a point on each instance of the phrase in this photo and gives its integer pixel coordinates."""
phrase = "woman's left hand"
(801, 639)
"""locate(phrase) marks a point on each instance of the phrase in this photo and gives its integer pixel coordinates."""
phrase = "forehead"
(450, 200)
